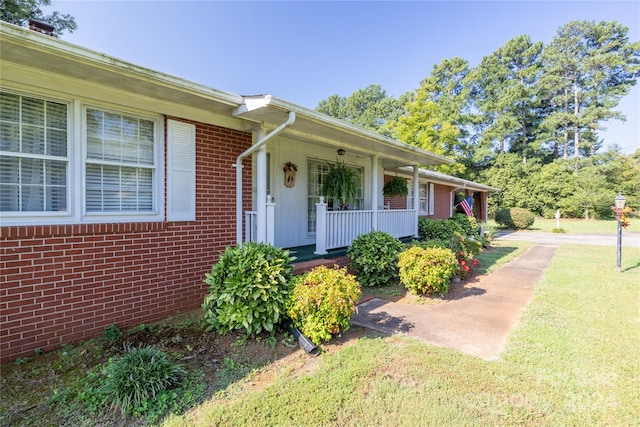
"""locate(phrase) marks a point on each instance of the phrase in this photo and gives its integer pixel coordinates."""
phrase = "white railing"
(342, 227)
(250, 226)
(337, 229)
(398, 222)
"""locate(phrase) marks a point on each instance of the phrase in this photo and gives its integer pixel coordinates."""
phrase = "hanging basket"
(397, 186)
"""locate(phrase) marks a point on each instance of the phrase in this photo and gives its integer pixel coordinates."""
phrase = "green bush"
(441, 229)
(468, 225)
(433, 243)
(248, 288)
(374, 258)
(515, 218)
(322, 302)
(139, 377)
(427, 270)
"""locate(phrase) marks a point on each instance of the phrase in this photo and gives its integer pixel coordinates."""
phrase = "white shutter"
(181, 170)
(431, 198)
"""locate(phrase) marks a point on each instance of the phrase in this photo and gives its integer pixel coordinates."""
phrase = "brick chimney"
(41, 27)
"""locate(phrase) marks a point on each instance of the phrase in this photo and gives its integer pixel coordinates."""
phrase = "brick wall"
(65, 283)
(441, 201)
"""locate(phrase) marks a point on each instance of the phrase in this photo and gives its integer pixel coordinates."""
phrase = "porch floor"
(306, 259)
(305, 253)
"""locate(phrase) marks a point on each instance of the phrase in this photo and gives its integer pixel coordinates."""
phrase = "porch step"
(304, 266)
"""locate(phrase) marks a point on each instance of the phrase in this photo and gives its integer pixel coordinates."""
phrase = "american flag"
(467, 205)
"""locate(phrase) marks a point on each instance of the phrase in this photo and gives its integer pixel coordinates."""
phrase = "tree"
(438, 118)
(370, 108)
(19, 12)
(588, 68)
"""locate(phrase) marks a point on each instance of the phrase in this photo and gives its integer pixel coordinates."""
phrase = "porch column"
(321, 227)
(261, 191)
(374, 192)
(416, 195)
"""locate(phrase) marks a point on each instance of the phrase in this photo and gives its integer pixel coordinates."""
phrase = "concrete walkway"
(478, 320)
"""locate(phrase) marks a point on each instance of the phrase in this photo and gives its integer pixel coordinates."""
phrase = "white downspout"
(238, 166)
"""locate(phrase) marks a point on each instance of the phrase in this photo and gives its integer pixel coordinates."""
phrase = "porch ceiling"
(311, 126)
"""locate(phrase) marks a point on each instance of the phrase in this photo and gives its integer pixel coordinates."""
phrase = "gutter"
(238, 166)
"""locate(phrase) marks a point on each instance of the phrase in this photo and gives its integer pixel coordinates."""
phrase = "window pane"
(112, 142)
(56, 173)
(94, 134)
(9, 170)
(32, 198)
(110, 189)
(56, 142)
(31, 172)
(56, 116)
(32, 140)
(56, 199)
(10, 137)
(94, 188)
(146, 142)
(33, 111)
(9, 198)
(9, 107)
(145, 190)
(129, 139)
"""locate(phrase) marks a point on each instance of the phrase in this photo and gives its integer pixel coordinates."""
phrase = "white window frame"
(424, 202)
(76, 173)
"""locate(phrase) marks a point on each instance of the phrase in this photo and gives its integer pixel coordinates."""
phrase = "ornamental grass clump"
(374, 258)
(322, 302)
(136, 379)
(248, 288)
(427, 270)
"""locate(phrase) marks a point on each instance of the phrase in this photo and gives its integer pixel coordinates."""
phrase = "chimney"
(41, 27)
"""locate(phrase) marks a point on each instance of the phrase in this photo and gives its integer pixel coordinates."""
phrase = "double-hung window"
(119, 165)
(65, 162)
(34, 157)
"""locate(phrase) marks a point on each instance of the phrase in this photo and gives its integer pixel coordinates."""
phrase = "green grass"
(572, 361)
(500, 253)
(581, 226)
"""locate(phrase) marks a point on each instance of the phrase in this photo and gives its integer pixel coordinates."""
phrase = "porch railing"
(250, 226)
(337, 229)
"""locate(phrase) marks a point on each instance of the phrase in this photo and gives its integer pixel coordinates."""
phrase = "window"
(51, 174)
(33, 155)
(120, 163)
(424, 193)
(317, 169)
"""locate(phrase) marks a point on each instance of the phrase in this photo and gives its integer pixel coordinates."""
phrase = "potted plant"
(397, 186)
(340, 185)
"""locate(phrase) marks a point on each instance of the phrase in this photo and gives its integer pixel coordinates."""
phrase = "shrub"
(557, 230)
(322, 302)
(140, 376)
(441, 229)
(248, 288)
(427, 270)
(433, 243)
(468, 225)
(515, 218)
(374, 258)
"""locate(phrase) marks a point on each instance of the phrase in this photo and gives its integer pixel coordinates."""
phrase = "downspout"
(238, 166)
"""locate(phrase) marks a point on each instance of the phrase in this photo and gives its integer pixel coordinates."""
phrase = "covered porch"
(294, 213)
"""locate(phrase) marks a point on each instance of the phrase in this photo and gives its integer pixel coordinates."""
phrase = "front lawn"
(572, 361)
(581, 226)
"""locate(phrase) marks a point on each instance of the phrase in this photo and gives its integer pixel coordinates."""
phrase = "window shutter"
(181, 169)
(431, 198)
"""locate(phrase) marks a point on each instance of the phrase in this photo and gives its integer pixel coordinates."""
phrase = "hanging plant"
(340, 185)
(397, 186)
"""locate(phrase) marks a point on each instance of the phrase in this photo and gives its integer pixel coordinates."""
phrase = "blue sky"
(303, 51)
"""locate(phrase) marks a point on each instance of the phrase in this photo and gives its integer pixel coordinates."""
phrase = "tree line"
(526, 119)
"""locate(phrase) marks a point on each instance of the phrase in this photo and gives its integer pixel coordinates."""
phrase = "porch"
(336, 230)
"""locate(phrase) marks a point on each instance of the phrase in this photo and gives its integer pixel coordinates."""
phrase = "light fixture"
(341, 152)
(620, 201)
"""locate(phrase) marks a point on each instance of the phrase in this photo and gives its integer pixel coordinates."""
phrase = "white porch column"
(321, 227)
(271, 223)
(416, 194)
(374, 192)
(261, 191)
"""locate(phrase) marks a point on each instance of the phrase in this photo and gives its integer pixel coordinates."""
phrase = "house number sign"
(290, 170)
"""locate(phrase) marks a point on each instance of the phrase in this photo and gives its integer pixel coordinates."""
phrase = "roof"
(452, 181)
(31, 49)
